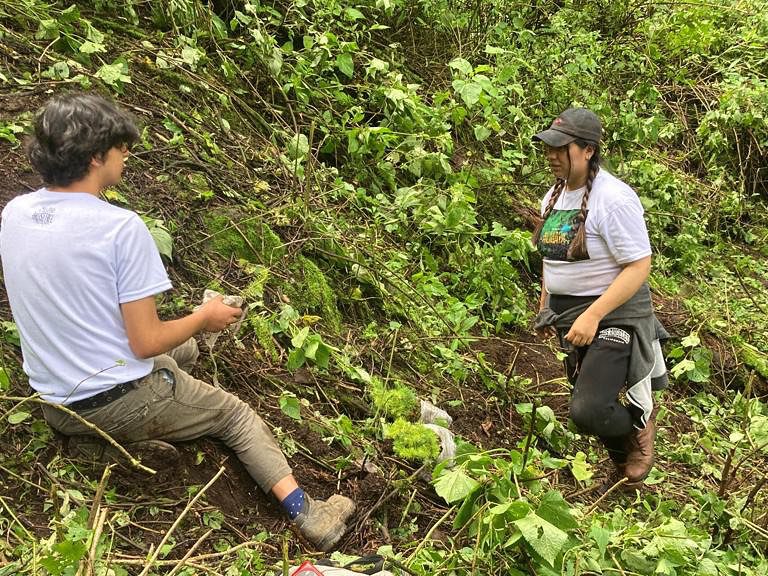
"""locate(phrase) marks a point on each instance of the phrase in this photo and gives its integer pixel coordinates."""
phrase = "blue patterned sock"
(294, 503)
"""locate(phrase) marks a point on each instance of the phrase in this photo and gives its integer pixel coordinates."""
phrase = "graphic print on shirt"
(557, 233)
(44, 216)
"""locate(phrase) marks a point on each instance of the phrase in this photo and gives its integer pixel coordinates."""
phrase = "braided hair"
(578, 248)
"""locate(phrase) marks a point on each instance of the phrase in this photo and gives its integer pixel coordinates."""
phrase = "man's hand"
(218, 315)
(149, 336)
(583, 330)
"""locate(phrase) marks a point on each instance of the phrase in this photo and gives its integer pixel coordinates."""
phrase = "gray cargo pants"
(169, 404)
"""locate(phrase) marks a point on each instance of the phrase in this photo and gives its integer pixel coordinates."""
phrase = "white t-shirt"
(616, 235)
(69, 261)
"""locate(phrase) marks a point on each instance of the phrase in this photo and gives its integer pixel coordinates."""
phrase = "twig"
(151, 560)
(530, 436)
(134, 561)
(189, 553)
(428, 535)
(605, 494)
(96, 519)
(95, 542)
(385, 498)
(135, 462)
(10, 512)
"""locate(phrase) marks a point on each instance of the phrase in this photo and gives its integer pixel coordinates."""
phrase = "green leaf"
(461, 65)
(18, 417)
(482, 133)
(114, 74)
(758, 430)
(321, 353)
(580, 468)
(707, 568)
(555, 510)
(191, 56)
(5, 381)
(160, 235)
(89, 47)
(298, 340)
(295, 359)
(470, 92)
(455, 485)
(547, 540)
(298, 147)
(345, 64)
(290, 405)
(601, 537)
(353, 14)
(464, 513)
(494, 49)
(691, 340)
(683, 367)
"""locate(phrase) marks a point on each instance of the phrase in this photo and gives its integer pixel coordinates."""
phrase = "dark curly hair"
(73, 129)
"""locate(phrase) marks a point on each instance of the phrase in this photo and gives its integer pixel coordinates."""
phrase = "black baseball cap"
(573, 124)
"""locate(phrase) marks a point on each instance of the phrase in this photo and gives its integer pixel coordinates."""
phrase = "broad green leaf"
(469, 91)
(298, 147)
(547, 540)
(455, 485)
(482, 133)
(114, 74)
(191, 56)
(581, 469)
(683, 367)
(464, 513)
(707, 568)
(317, 350)
(555, 510)
(691, 340)
(18, 417)
(345, 64)
(160, 235)
(354, 14)
(758, 430)
(494, 49)
(298, 340)
(295, 359)
(601, 536)
(5, 381)
(461, 65)
(89, 47)
(290, 405)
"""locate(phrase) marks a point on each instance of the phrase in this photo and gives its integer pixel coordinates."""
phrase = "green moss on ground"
(311, 293)
(246, 237)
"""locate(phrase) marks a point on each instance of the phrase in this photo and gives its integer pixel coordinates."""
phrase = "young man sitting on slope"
(82, 276)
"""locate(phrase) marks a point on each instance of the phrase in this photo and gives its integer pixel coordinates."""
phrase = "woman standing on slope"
(597, 257)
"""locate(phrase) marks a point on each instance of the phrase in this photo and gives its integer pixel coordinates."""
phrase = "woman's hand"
(583, 330)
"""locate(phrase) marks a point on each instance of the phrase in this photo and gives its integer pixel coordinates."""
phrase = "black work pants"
(598, 373)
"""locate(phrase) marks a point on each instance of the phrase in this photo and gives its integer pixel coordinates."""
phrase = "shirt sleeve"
(625, 233)
(140, 270)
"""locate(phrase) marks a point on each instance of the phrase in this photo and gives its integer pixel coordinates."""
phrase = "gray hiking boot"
(152, 453)
(324, 522)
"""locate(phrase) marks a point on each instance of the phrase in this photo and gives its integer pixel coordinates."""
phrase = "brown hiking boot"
(324, 522)
(640, 452)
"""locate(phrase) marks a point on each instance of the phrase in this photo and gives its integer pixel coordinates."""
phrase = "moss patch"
(311, 293)
(246, 237)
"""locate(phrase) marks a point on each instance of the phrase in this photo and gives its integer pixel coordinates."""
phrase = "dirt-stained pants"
(169, 404)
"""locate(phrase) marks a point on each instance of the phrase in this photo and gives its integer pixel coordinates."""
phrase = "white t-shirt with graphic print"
(616, 235)
(69, 261)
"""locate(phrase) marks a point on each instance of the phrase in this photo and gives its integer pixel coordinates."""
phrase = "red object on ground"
(307, 569)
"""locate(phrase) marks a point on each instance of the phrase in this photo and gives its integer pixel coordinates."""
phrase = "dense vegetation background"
(362, 173)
